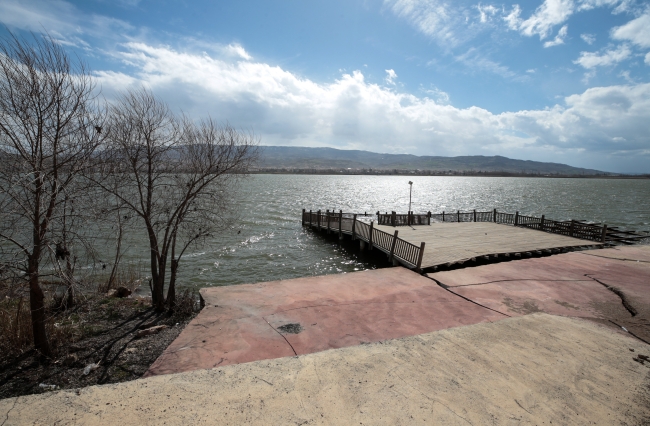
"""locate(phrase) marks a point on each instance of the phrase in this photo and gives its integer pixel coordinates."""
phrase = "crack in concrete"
(617, 258)
(619, 293)
(618, 325)
(268, 383)
(522, 407)
(463, 297)
(501, 281)
(9, 411)
(282, 335)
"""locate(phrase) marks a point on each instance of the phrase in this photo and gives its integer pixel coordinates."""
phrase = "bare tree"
(49, 129)
(176, 175)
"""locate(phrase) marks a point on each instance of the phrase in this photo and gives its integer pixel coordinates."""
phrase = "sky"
(565, 81)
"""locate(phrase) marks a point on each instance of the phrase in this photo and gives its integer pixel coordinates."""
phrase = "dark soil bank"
(107, 348)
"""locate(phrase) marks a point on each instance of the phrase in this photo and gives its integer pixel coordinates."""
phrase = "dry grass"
(15, 325)
(130, 276)
(63, 324)
(16, 335)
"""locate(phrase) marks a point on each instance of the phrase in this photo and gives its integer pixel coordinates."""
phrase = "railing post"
(318, 220)
(474, 215)
(327, 212)
(354, 223)
(393, 218)
(495, 216)
(458, 216)
(603, 239)
(541, 224)
(418, 267)
(303, 217)
(429, 218)
(370, 236)
(516, 218)
(378, 221)
(443, 215)
(340, 224)
(572, 228)
(309, 219)
(392, 247)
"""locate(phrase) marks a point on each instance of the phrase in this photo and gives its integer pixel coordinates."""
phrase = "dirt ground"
(105, 339)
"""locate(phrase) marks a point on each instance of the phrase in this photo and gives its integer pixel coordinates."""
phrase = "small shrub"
(187, 303)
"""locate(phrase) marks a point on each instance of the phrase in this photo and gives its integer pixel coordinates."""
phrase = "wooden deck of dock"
(422, 244)
(454, 243)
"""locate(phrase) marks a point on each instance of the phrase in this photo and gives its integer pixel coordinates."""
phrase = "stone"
(151, 330)
(70, 360)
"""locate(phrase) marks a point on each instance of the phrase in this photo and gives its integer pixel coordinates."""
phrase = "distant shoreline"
(370, 172)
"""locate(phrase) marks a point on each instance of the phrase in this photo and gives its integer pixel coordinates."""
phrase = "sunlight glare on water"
(273, 245)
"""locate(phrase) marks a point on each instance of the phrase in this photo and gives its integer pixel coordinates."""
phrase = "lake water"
(272, 244)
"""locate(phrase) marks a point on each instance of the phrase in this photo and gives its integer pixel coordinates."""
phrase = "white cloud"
(556, 12)
(647, 58)
(592, 4)
(487, 12)
(637, 31)
(429, 17)
(474, 60)
(62, 20)
(353, 113)
(391, 76)
(588, 38)
(546, 16)
(439, 96)
(236, 50)
(559, 38)
(626, 75)
(447, 24)
(513, 19)
(590, 60)
(621, 5)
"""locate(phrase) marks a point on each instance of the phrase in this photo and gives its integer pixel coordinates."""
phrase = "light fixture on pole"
(410, 192)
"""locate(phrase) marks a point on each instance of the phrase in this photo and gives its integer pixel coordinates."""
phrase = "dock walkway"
(450, 243)
(429, 245)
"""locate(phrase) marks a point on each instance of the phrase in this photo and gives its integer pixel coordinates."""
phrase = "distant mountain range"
(319, 159)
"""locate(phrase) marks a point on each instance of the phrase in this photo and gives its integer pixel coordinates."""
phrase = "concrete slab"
(533, 369)
(245, 323)
(590, 284)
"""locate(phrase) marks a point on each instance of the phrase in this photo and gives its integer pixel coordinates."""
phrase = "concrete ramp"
(246, 323)
(533, 369)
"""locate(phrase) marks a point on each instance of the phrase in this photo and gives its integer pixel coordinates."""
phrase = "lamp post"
(410, 192)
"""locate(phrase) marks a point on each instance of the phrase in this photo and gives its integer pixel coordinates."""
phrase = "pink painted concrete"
(567, 298)
(571, 284)
(240, 323)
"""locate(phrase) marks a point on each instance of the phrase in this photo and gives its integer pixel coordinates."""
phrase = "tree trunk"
(158, 294)
(118, 253)
(171, 293)
(37, 306)
(70, 271)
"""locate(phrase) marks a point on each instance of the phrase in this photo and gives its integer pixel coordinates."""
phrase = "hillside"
(285, 157)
